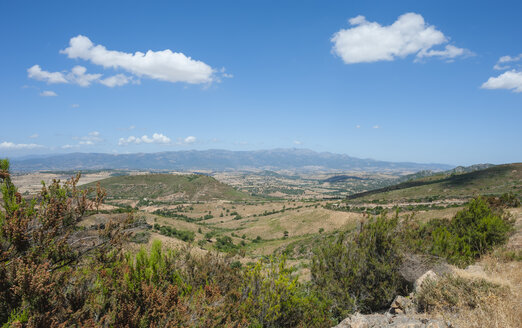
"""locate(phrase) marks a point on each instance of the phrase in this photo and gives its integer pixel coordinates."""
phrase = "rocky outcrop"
(402, 312)
(429, 275)
(403, 305)
(389, 320)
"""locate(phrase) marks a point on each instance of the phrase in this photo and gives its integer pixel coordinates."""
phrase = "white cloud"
(90, 139)
(510, 80)
(357, 126)
(375, 126)
(504, 62)
(449, 52)
(189, 140)
(48, 94)
(116, 80)
(160, 65)
(36, 72)
(157, 138)
(12, 146)
(34, 136)
(507, 59)
(297, 142)
(186, 141)
(368, 42)
(75, 106)
(78, 75)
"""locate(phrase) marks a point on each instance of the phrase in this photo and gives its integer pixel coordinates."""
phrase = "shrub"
(360, 272)
(141, 237)
(225, 244)
(472, 232)
(275, 298)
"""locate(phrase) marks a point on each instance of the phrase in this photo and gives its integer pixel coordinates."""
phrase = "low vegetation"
(56, 270)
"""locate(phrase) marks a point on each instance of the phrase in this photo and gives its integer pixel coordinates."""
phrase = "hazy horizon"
(395, 81)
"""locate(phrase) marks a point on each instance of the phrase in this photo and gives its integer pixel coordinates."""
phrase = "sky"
(420, 81)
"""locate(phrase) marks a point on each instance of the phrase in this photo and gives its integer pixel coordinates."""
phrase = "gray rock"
(403, 305)
(387, 320)
(428, 275)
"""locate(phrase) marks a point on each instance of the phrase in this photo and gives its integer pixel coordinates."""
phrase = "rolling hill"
(493, 180)
(169, 187)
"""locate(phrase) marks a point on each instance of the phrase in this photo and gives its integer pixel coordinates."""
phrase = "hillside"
(217, 160)
(169, 187)
(493, 180)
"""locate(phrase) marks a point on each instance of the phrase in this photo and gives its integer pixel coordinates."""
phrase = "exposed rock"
(475, 269)
(428, 275)
(415, 265)
(403, 305)
(387, 320)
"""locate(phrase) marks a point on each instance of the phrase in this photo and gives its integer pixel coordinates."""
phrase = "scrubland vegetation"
(56, 270)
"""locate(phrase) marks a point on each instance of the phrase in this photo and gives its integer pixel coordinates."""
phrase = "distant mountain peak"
(218, 160)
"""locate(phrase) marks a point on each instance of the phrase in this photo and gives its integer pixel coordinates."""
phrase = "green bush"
(225, 244)
(275, 298)
(184, 235)
(473, 231)
(360, 272)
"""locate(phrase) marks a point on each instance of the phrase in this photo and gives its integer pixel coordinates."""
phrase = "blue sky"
(392, 80)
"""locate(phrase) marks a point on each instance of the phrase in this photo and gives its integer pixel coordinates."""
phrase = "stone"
(392, 321)
(428, 275)
(402, 305)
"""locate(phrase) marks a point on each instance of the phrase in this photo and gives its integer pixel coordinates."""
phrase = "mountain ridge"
(218, 160)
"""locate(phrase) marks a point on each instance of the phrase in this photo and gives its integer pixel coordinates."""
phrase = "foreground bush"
(55, 273)
(473, 232)
(360, 271)
(273, 297)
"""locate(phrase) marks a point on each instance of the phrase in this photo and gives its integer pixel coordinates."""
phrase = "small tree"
(360, 271)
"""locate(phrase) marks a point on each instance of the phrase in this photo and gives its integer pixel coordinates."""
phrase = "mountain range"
(216, 160)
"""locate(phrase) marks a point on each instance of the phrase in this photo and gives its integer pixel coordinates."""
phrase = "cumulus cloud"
(449, 52)
(510, 80)
(90, 139)
(48, 94)
(162, 65)
(368, 42)
(36, 72)
(507, 59)
(506, 62)
(189, 140)
(12, 146)
(78, 75)
(116, 80)
(157, 138)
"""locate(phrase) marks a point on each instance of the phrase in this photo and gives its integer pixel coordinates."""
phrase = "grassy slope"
(183, 187)
(491, 181)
